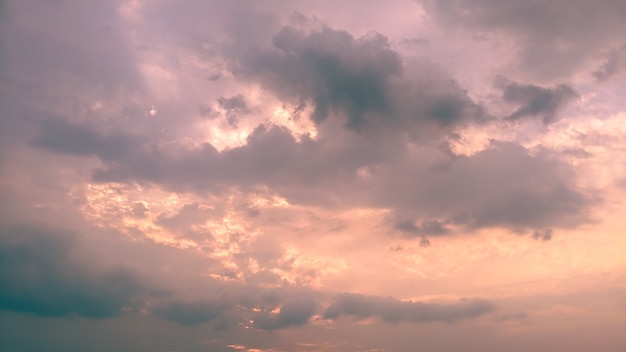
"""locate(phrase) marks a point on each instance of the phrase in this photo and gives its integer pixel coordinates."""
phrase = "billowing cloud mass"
(312, 176)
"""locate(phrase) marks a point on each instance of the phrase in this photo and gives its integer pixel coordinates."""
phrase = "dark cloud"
(544, 235)
(535, 101)
(329, 67)
(360, 78)
(235, 103)
(504, 185)
(394, 311)
(425, 228)
(291, 314)
(39, 276)
(548, 48)
(188, 216)
(615, 62)
(223, 304)
(234, 106)
(399, 107)
(139, 210)
(61, 136)
(189, 314)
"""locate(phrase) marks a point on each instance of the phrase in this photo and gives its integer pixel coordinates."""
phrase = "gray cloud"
(39, 276)
(189, 314)
(399, 107)
(234, 106)
(329, 67)
(615, 62)
(81, 140)
(425, 228)
(294, 313)
(394, 311)
(42, 272)
(502, 186)
(361, 78)
(536, 101)
(234, 103)
(548, 48)
(544, 235)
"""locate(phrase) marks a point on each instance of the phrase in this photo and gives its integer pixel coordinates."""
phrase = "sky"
(267, 176)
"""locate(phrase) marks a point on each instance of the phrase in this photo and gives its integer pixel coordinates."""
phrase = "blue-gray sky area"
(267, 176)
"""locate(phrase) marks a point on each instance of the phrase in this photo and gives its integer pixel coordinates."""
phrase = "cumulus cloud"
(81, 140)
(426, 227)
(394, 109)
(502, 186)
(544, 235)
(189, 314)
(39, 276)
(363, 79)
(394, 311)
(536, 101)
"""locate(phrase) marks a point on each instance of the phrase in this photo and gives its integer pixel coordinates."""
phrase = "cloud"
(504, 185)
(546, 49)
(189, 314)
(251, 225)
(235, 103)
(329, 67)
(426, 227)
(39, 276)
(535, 101)
(363, 79)
(544, 235)
(615, 62)
(234, 106)
(395, 111)
(294, 313)
(394, 311)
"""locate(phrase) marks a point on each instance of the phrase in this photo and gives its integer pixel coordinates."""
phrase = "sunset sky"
(266, 176)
